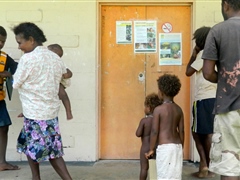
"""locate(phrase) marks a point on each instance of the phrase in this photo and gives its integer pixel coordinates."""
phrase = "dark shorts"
(203, 116)
(4, 116)
(40, 140)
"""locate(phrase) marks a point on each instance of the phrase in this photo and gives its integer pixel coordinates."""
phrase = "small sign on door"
(167, 27)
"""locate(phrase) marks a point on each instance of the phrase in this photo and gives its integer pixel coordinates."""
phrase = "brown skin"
(144, 131)
(189, 70)
(4, 165)
(66, 102)
(62, 93)
(58, 163)
(167, 125)
(209, 72)
(202, 141)
(2, 43)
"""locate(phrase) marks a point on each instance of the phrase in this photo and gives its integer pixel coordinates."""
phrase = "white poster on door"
(123, 32)
(145, 36)
(170, 49)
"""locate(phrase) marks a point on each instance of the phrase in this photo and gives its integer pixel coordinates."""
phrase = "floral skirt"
(40, 139)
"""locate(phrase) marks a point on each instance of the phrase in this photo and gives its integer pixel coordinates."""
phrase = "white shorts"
(169, 161)
(225, 149)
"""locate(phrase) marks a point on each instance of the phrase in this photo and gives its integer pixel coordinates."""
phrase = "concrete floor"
(101, 170)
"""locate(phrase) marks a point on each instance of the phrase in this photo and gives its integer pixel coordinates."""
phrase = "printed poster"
(145, 36)
(170, 49)
(124, 32)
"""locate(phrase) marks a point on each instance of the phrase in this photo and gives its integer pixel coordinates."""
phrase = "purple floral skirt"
(40, 139)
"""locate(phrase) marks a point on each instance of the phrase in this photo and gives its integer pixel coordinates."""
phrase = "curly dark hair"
(235, 4)
(28, 29)
(3, 31)
(152, 101)
(200, 36)
(169, 84)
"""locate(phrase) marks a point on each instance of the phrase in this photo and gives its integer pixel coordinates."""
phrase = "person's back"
(228, 66)
(167, 130)
(222, 49)
(144, 131)
(41, 82)
(170, 116)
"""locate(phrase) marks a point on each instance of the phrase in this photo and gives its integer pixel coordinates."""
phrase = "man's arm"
(209, 71)
(10, 68)
(190, 70)
(5, 74)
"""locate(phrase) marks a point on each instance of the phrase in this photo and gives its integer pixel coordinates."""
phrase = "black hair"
(152, 101)
(235, 4)
(3, 31)
(55, 46)
(28, 29)
(169, 84)
(200, 36)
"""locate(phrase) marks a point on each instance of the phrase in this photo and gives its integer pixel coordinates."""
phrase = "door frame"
(192, 151)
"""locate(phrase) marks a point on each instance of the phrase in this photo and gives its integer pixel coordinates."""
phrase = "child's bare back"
(170, 121)
(167, 130)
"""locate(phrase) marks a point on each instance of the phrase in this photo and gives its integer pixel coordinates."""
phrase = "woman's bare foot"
(7, 166)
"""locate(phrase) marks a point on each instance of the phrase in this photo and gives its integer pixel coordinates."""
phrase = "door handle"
(141, 77)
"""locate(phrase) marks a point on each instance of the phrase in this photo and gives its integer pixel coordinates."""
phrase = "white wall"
(73, 24)
(205, 13)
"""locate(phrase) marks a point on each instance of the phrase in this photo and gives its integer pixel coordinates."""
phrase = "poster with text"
(124, 32)
(170, 49)
(145, 36)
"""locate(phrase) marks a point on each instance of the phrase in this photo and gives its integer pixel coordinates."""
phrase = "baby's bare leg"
(65, 100)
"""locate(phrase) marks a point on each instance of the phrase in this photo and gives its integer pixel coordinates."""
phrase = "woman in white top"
(37, 79)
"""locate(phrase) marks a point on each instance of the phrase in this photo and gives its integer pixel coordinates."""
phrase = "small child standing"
(144, 130)
(56, 48)
(167, 130)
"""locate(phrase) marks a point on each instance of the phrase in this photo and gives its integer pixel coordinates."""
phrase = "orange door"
(123, 89)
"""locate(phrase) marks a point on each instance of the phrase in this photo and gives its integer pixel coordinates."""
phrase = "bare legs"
(58, 164)
(34, 168)
(144, 169)
(203, 145)
(60, 167)
(3, 147)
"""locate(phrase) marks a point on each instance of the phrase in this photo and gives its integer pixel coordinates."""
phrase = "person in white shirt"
(37, 79)
(204, 99)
